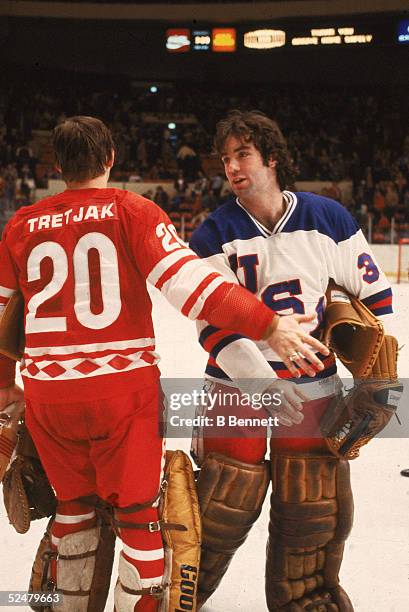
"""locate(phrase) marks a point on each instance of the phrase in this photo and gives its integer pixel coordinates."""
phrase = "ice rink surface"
(375, 571)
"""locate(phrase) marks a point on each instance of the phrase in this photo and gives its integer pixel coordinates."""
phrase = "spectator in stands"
(180, 184)
(134, 176)
(379, 199)
(142, 155)
(10, 177)
(216, 185)
(202, 183)
(187, 161)
(391, 196)
(209, 200)
(24, 157)
(2, 195)
(161, 198)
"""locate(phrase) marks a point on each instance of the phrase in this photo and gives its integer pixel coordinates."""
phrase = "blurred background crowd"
(164, 133)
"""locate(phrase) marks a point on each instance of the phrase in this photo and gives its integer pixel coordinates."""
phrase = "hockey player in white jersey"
(284, 247)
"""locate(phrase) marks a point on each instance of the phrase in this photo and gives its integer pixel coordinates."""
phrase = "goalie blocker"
(358, 339)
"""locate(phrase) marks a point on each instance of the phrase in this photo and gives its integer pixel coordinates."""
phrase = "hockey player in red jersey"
(81, 260)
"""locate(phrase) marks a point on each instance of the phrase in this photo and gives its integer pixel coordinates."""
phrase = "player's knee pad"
(84, 565)
(311, 517)
(231, 494)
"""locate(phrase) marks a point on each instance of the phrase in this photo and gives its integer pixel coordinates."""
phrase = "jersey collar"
(291, 202)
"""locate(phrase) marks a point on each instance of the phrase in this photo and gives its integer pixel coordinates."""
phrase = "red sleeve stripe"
(194, 304)
(385, 302)
(173, 270)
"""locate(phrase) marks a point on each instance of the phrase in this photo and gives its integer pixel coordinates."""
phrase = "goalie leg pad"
(128, 583)
(84, 565)
(75, 568)
(311, 517)
(40, 573)
(179, 523)
(231, 494)
(179, 510)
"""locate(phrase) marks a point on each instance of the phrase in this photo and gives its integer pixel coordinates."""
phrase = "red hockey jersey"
(81, 260)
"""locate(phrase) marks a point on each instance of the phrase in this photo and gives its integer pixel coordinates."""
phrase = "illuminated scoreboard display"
(219, 40)
(287, 35)
(403, 31)
(332, 36)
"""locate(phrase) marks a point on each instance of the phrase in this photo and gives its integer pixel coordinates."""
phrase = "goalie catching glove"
(357, 337)
(26, 490)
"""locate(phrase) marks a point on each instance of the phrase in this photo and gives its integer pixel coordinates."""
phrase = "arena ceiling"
(222, 11)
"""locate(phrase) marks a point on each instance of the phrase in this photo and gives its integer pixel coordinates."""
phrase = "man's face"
(245, 169)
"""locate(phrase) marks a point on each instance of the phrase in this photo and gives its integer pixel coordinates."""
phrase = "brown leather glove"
(353, 420)
(352, 331)
(9, 424)
(12, 337)
(27, 492)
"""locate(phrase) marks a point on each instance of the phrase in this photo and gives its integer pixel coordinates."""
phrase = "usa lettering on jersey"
(289, 270)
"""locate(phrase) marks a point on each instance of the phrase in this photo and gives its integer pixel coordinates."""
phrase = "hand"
(288, 340)
(288, 412)
(10, 395)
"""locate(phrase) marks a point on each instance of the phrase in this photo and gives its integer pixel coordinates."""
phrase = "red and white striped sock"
(144, 550)
(72, 516)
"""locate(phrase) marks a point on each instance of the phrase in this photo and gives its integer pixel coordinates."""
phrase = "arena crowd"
(166, 135)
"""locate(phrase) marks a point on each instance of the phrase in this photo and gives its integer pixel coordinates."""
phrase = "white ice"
(375, 571)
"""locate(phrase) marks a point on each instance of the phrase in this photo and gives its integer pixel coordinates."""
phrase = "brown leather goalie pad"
(12, 337)
(27, 492)
(179, 510)
(310, 519)
(231, 494)
(84, 567)
(179, 523)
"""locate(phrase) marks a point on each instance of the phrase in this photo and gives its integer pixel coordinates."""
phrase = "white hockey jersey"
(289, 269)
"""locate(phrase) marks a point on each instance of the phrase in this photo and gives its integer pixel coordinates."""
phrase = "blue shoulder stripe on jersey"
(227, 223)
(328, 217)
(377, 297)
(311, 213)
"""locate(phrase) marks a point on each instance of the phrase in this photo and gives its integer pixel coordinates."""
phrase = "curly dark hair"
(255, 127)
